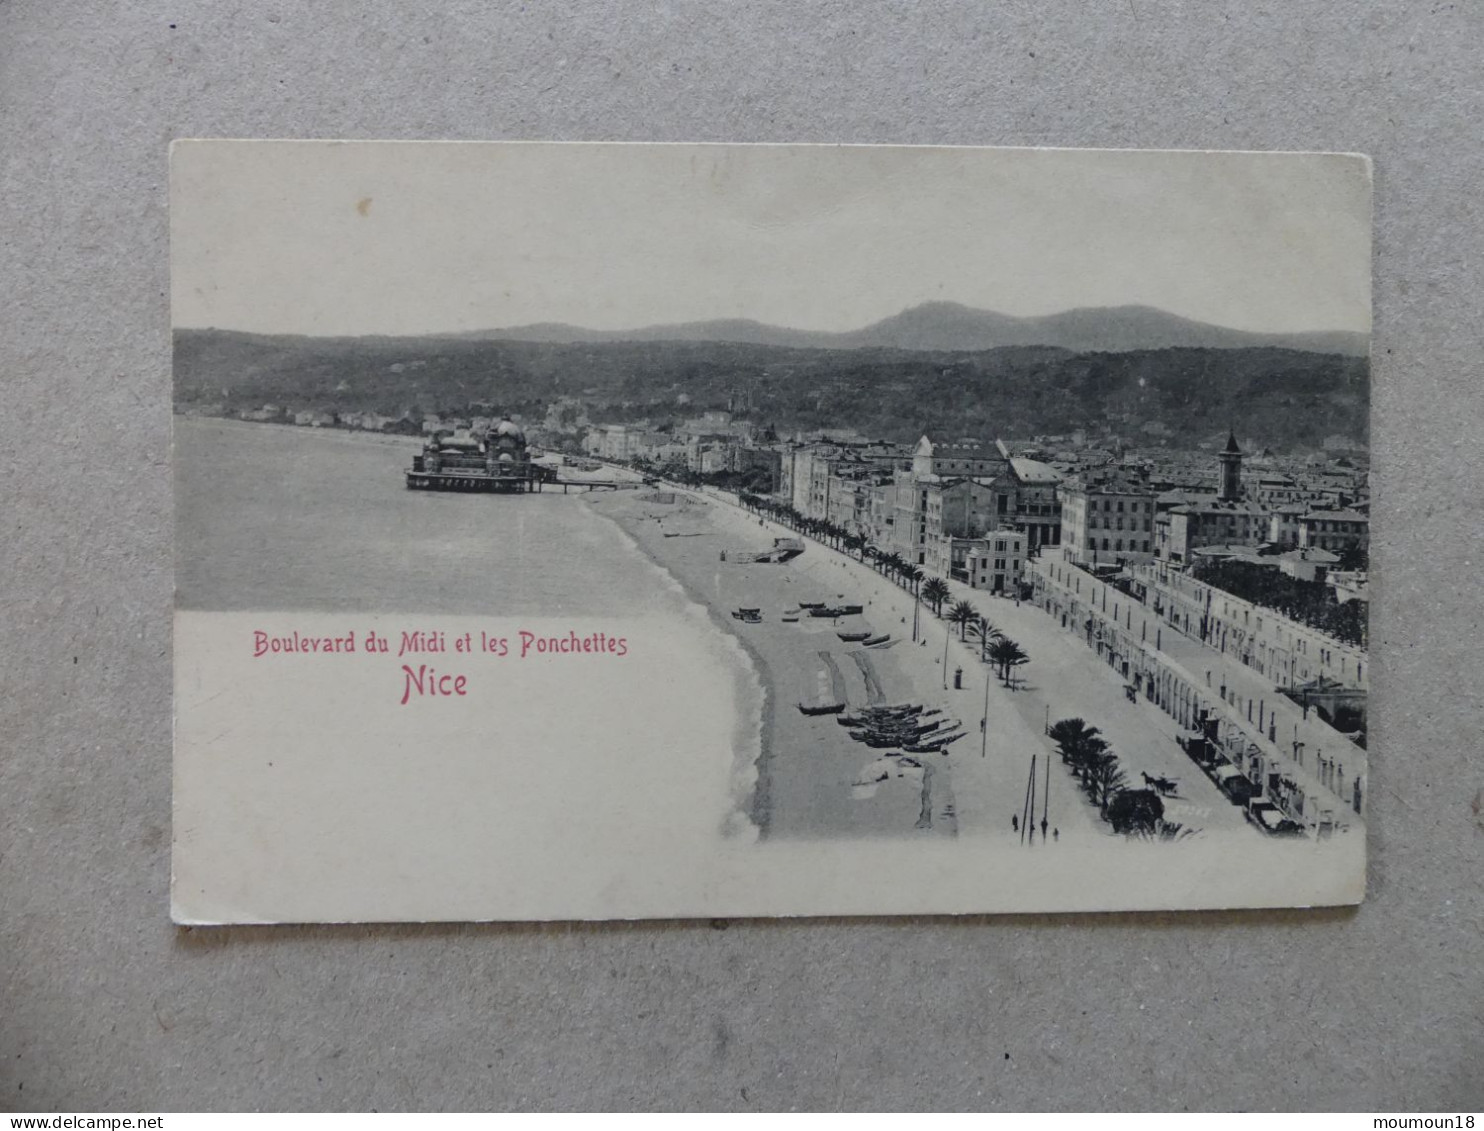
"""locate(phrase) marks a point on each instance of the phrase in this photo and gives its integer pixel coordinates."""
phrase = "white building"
(1107, 522)
(997, 563)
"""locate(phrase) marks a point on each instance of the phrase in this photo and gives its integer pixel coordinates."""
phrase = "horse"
(1165, 786)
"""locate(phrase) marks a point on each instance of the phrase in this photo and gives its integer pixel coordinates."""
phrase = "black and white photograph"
(615, 531)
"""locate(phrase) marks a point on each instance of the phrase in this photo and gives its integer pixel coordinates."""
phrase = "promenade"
(1324, 772)
(1064, 679)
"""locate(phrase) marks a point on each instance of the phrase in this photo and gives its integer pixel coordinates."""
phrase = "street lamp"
(984, 723)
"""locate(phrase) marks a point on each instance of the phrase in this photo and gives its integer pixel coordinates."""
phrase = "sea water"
(278, 517)
(281, 518)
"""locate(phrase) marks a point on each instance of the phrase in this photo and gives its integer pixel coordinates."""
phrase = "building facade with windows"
(1107, 522)
(1037, 506)
(996, 562)
(1182, 530)
(1285, 651)
(969, 459)
(1335, 531)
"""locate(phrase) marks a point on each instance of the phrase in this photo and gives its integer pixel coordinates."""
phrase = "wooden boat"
(933, 744)
(827, 696)
(894, 733)
(872, 641)
(912, 728)
(943, 724)
(748, 616)
(854, 637)
(880, 716)
(811, 605)
(822, 708)
(791, 617)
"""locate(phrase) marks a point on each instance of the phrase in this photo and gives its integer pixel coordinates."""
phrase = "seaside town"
(1206, 594)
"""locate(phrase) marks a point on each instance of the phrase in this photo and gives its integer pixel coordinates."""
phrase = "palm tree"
(987, 634)
(914, 576)
(1005, 654)
(892, 564)
(1104, 781)
(935, 592)
(961, 614)
(1077, 743)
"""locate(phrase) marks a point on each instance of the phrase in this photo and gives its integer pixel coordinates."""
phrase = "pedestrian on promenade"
(1043, 828)
(1056, 834)
(1015, 821)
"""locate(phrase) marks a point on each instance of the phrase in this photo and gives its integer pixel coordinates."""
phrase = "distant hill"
(1289, 400)
(949, 326)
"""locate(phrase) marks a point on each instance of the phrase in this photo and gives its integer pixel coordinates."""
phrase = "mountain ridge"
(939, 327)
(1293, 400)
(946, 327)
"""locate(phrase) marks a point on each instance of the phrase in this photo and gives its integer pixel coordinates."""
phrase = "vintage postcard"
(595, 531)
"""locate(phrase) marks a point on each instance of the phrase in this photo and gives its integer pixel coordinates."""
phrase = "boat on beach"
(907, 725)
(828, 696)
(869, 716)
(748, 616)
(876, 641)
(938, 743)
(853, 636)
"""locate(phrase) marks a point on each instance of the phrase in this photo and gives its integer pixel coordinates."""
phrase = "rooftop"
(1034, 471)
(1338, 516)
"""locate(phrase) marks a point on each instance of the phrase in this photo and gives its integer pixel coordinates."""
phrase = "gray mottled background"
(104, 1005)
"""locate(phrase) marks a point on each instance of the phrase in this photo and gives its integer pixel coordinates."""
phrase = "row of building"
(710, 443)
(976, 511)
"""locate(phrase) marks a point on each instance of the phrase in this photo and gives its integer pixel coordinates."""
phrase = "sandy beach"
(270, 517)
(813, 780)
(810, 775)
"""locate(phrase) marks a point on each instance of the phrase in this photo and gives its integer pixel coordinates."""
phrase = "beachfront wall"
(1282, 650)
(1285, 767)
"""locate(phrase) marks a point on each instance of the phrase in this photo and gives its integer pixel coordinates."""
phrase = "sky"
(348, 238)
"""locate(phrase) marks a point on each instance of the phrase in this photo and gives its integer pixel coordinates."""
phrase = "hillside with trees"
(1294, 399)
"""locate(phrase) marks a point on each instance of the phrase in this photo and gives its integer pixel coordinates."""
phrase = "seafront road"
(1064, 676)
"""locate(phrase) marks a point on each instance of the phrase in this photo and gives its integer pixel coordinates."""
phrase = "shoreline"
(811, 780)
(757, 808)
(753, 679)
(366, 434)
